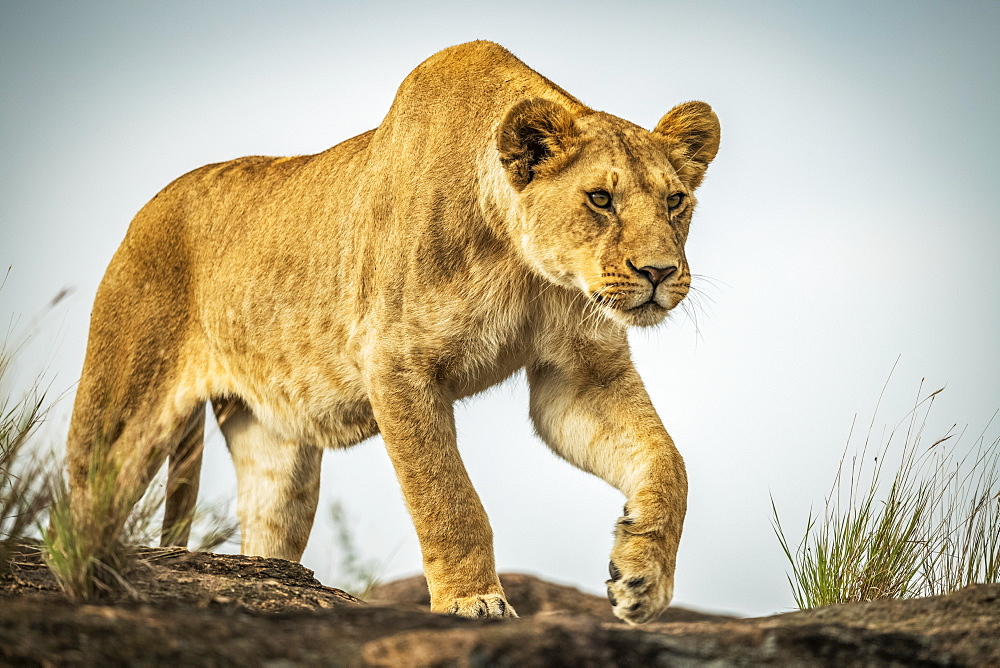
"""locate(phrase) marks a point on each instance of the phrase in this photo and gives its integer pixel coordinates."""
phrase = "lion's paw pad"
(487, 605)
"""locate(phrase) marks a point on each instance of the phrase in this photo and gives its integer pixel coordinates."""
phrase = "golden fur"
(491, 222)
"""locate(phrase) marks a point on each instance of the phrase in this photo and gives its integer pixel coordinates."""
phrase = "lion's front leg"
(456, 540)
(601, 420)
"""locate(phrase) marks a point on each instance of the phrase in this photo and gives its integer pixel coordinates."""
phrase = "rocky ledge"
(202, 609)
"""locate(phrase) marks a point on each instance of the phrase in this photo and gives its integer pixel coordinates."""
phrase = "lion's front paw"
(637, 598)
(487, 605)
(642, 578)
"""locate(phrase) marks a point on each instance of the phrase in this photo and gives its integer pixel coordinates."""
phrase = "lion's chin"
(644, 315)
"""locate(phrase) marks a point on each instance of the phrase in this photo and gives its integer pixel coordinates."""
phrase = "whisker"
(691, 315)
(591, 315)
(712, 283)
(695, 309)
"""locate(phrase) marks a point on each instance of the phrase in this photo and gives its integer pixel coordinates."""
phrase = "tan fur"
(323, 299)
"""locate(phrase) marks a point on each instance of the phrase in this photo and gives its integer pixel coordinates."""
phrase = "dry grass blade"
(355, 574)
(24, 477)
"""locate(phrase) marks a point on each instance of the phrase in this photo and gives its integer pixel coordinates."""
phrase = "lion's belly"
(307, 404)
(297, 376)
(326, 409)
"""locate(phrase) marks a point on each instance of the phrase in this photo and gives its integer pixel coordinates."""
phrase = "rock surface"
(531, 597)
(220, 610)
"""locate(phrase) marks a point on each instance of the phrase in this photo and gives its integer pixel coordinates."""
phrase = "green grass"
(88, 553)
(927, 524)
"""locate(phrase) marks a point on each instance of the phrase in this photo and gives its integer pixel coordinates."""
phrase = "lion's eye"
(600, 198)
(675, 201)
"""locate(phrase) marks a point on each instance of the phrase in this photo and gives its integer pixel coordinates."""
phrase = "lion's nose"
(656, 275)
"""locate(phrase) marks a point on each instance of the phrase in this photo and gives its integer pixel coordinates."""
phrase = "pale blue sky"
(851, 217)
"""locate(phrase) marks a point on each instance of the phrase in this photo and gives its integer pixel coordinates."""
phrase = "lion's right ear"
(532, 133)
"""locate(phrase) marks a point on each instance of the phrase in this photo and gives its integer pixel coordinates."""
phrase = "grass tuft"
(931, 528)
(25, 478)
(91, 552)
(87, 552)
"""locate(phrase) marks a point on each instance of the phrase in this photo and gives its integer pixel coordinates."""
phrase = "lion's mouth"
(648, 305)
(644, 314)
(650, 312)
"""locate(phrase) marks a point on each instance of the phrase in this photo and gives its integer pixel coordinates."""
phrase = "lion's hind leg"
(277, 483)
(139, 391)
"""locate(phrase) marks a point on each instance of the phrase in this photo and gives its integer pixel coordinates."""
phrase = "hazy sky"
(851, 217)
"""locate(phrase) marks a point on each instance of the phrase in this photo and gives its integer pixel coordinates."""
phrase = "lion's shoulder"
(472, 81)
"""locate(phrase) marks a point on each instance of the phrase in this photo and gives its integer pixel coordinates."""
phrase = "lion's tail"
(183, 474)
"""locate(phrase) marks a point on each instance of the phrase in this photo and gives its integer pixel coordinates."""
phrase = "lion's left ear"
(692, 130)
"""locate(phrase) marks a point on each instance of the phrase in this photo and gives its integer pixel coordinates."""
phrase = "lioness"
(490, 223)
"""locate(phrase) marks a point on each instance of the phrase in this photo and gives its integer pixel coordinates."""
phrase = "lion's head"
(604, 206)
